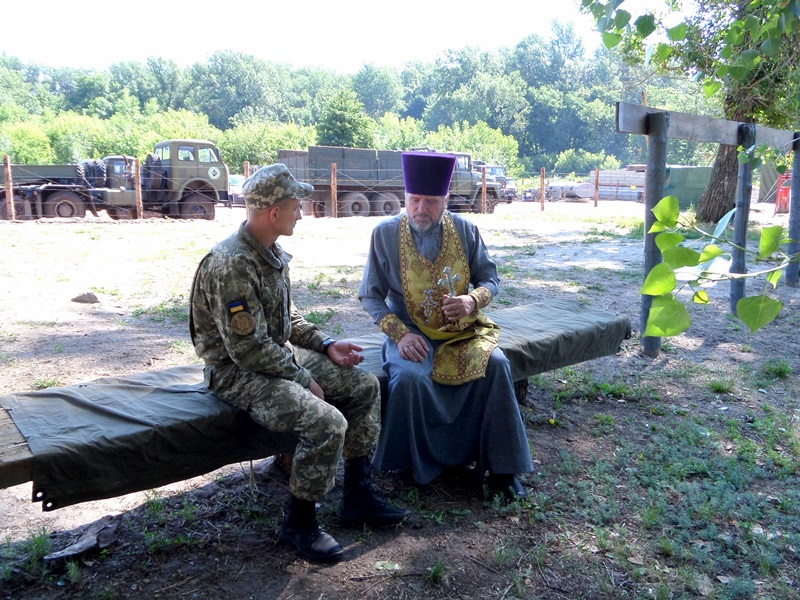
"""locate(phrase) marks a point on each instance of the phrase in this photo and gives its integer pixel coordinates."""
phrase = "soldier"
(262, 356)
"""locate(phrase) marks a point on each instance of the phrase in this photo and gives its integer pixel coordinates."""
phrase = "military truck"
(370, 182)
(181, 179)
(508, 185)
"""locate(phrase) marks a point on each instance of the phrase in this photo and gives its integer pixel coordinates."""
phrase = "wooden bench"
(113, 436)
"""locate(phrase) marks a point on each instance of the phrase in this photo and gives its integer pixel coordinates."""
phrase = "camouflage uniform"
(261, 356)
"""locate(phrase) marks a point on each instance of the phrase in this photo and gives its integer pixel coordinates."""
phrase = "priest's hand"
(413, 347)
(458, 307)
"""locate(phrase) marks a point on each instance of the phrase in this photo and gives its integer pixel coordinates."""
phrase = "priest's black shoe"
(508, 485)
(360, 504)
(300, 528)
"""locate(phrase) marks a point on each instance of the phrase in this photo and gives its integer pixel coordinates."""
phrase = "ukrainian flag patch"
(235, 307)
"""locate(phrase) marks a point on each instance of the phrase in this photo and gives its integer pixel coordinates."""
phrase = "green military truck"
(507, 184)
(182, 179)
(370, 182)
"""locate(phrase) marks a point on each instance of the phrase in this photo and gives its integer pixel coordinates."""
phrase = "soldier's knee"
(331, 424)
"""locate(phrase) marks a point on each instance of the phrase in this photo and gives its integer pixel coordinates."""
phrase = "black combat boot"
(360, 504)
(300, 528)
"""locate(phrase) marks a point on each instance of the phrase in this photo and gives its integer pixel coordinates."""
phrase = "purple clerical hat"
(428, 173)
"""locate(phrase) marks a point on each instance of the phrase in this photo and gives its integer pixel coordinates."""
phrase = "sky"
(342, 35)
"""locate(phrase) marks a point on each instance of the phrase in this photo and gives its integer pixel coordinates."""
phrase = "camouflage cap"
(271, 184)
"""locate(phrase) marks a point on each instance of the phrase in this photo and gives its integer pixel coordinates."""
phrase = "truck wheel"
(197, 207)
(384, 204)
(64, 204)
(354, 204)
(22, 209)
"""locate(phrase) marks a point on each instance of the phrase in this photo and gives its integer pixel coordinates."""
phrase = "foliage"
(394, 133)
(25, 142)
(698, 270)
(345, 123)
(379, 89)
(258, 142)
(747, 53)
(538, 99)
(581, 161)
(481, 140)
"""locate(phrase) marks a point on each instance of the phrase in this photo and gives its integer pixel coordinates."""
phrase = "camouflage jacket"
(241, 310)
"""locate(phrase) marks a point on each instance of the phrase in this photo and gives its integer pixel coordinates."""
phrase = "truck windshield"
(207, 155)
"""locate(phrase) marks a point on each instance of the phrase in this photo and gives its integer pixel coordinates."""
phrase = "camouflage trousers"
(346, 422)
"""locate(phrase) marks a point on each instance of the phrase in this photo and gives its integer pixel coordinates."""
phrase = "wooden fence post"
(744, 189)
(10, 208)
(596, 186)
(657, 138)
(137, 186)
(793, 270)
(483, 190)
(334, 192)
(541, 186)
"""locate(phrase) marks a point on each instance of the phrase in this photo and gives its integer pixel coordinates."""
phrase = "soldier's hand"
(413, 347)
(345, 354)
(315, 389)
(458, 307)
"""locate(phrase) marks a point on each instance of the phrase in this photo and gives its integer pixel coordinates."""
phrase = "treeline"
(541, 103)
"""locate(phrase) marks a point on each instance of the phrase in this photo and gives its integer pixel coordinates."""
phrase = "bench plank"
(117, 435)
(16, 459)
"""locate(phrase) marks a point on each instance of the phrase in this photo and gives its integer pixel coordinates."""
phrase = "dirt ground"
(215, 536)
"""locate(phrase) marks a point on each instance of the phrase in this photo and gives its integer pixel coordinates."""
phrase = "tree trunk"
(720, 196)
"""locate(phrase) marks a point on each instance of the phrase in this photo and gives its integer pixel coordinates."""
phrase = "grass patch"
(175, 310)
(320, 318)
(46, 382)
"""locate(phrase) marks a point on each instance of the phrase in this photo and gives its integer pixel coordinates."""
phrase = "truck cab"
(187, 177)
(466, 188)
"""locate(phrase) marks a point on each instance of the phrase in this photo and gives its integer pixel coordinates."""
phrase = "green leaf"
(645, 25)
(700, 297)
(774, 278)
(681, 257)
(748, 58)
(757, 311)
(667, 211)
(738, 72)
(667, 317)
(660, 280)
(771, 46)
(668, 240)
(723, 223)
(751, 24)
(677, 33)
(711, 87)
(709, 252)
(770, 241)
(657, 227)
(622, 18)
(611, 39)
(663, 51)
